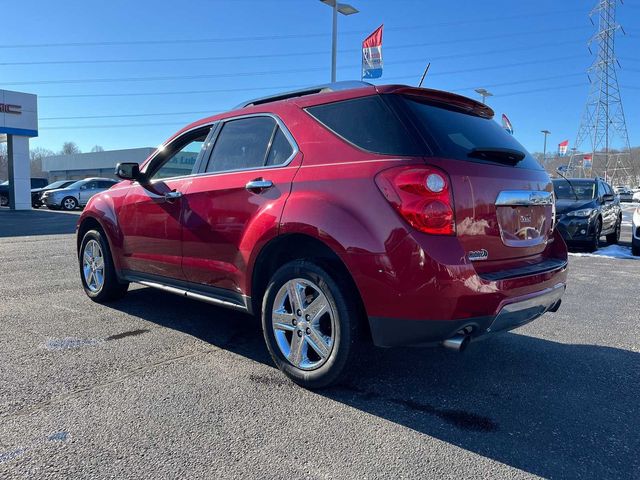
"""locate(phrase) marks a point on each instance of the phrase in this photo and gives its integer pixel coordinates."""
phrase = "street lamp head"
(484, 92)
(546, 132)
(346, 9)
(343, 8)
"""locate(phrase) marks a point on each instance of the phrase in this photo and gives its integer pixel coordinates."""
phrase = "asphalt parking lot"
(155, 386)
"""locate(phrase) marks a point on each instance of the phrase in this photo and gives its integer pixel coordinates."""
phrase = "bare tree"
(4, 161)
(69, 148)
(36, 155)
(97, 148)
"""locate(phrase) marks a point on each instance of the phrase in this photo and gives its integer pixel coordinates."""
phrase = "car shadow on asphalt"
(548, 408)
(19, 223)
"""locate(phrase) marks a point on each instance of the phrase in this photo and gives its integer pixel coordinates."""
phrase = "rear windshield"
(582, 189)
(453, 133)
(368, 123)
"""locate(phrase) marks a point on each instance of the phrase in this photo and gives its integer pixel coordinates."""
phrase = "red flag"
(372, 55)
(562, 147)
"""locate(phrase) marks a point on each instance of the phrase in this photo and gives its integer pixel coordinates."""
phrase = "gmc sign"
(8, 108)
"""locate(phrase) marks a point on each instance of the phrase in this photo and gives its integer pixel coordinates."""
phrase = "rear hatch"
(502, 197)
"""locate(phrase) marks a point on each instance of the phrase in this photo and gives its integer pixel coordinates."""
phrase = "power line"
(130, 115)
(132, 125)
(174, 92)
(271, 88)
(275, 37)
(209, 112)
(536, 90)
(270, 55)
(123, 125)
(265, 72)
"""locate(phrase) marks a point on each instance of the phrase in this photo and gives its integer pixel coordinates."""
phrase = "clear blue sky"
(531, 55)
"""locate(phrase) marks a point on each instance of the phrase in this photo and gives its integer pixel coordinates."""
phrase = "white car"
(635, 233)
(636, 197)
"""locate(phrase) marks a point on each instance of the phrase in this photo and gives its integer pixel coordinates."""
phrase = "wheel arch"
(89, 221)
(294, 246)
(86, 224)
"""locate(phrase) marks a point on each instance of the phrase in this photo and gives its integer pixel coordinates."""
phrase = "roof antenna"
(424, 74)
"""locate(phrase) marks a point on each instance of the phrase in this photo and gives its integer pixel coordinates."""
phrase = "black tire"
(635, 249)
(344, 305)
(111, 288)
(593, 246)
(69, 203)
(614, 237)
(4, 201)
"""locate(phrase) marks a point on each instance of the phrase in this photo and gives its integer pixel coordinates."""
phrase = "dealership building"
(18, 123)
(94, 164)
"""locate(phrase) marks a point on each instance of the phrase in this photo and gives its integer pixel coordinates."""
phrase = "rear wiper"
(504, 155)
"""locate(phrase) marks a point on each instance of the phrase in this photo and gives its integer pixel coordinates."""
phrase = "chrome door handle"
(174, 195)
(258, 185)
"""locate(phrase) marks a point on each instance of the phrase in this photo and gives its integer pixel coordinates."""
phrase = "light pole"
(544, 151)
(344, 9)
(484, 93)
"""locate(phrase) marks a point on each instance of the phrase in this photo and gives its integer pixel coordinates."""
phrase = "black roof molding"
(328, 87)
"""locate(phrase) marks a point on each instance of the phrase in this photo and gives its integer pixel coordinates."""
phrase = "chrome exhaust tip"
(457, 342)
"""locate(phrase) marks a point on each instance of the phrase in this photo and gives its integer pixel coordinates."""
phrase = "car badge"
(476, 255)
(525, 218)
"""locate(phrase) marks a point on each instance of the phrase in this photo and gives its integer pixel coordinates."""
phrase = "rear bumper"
(392, 332)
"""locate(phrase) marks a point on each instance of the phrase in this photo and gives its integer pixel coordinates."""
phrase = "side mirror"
(607, 197)
(128, 171)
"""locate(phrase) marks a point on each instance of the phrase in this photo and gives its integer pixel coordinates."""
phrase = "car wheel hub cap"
(93, 266)
(304, 324)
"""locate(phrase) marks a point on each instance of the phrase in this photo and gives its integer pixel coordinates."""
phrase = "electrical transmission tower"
(603, 131)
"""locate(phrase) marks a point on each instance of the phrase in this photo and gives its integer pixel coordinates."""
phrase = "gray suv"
(77, 194)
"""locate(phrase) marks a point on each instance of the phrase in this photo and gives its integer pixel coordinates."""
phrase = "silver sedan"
(77, 194)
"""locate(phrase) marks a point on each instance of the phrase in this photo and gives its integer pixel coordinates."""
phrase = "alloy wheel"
(93, 266)
(304, 324)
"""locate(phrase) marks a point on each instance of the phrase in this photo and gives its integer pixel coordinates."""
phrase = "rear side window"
(280, 150)
(368, 123)
(454, 134)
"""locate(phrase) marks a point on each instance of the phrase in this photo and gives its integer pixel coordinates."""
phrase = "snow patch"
(611, 251)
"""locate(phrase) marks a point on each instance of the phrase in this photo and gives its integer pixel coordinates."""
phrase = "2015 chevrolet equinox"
(340, 214)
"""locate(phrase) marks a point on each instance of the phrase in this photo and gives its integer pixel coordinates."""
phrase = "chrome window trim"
(216, 128)
(524, 198)
(281, 125)
(149, 161)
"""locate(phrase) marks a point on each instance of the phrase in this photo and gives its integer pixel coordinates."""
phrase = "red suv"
(342, 213)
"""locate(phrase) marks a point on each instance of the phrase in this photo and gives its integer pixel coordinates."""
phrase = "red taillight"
(422, 195)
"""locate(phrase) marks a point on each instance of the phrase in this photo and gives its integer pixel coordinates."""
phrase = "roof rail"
(329, 87)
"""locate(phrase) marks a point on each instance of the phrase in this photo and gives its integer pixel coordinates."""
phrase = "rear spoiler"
(463, 103)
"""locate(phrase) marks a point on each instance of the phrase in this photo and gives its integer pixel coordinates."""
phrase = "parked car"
(5, 191)
(635, 232)
(339, 214)
(77, 194)
(36, 193)
(625, 193)
(586, 209)
(636, 197)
